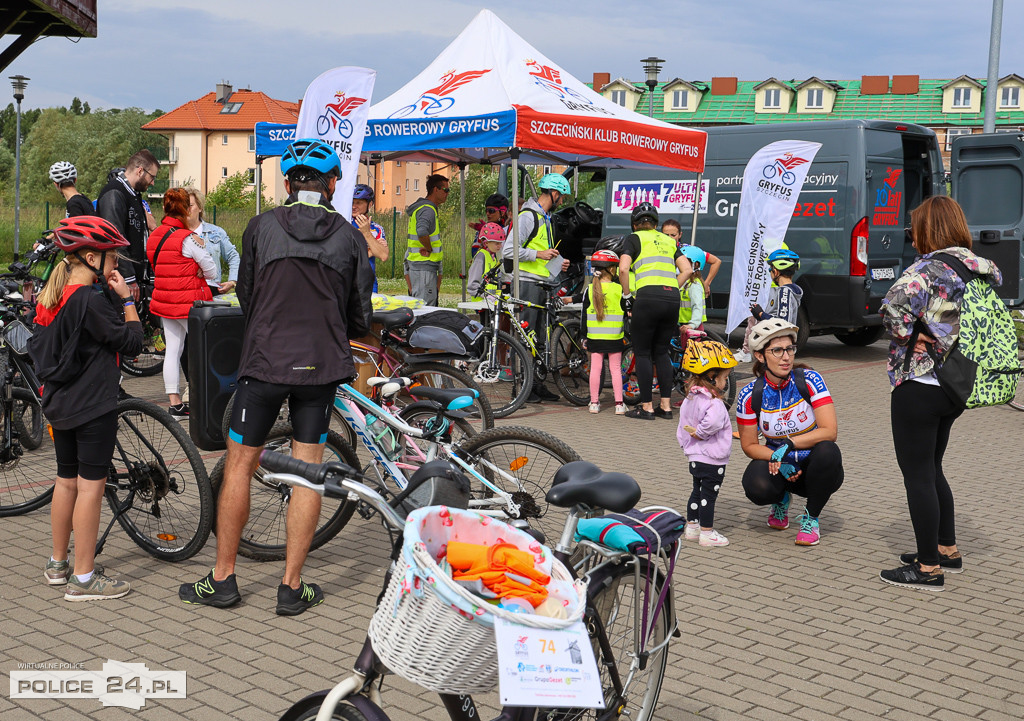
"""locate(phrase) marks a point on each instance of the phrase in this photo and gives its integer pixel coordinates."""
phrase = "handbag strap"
(160, 245)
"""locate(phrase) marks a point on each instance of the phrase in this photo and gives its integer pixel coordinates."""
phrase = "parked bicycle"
(629, 613)
(150, 361)
(680, 376)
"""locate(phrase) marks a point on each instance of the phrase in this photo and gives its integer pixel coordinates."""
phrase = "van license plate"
(883, 274)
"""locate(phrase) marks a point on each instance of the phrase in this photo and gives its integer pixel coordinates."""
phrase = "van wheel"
(861, 336)
(804, 323)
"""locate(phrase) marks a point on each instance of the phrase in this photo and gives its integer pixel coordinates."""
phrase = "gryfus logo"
(335, 115)
(436, 100)
(783, 167)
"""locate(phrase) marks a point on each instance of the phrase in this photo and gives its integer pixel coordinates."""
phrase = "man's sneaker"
(178, 411)
(57, 572)
(713, 538)
(207, 592)
(949, 564)
(692, 532)
(620, 409)
(911, 576)
(293, 601)
(96, 588)
(778, 518)
(595, 407)
(810, 532)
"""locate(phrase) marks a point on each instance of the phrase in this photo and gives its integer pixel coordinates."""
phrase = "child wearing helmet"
(75, 354)
(603, 327)
(692, 308)
(704, 434)
(376, 242)
(784, 298)
(492, 235)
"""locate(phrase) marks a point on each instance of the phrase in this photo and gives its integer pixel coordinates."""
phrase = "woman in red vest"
(182, 268)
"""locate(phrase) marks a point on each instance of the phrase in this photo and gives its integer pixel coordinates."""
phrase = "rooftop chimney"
(874, 84)
(723, 86)
(600, 80)
(224, 91)
(905, 84)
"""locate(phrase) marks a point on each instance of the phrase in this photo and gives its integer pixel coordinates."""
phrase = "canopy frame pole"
(575, 180)
(696, 208)
(514, 154)
(259, 182)
(462, 205)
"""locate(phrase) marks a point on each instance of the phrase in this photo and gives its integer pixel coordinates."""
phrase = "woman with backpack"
(922, 314)
(789, 404)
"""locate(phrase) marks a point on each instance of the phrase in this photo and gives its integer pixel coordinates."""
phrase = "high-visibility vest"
(656, 263)
(611, 328)
(413, 255)
(490, 262)
(539, 241)
(685, 309)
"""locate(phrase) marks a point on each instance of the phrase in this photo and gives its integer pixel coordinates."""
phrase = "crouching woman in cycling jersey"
(790, 405)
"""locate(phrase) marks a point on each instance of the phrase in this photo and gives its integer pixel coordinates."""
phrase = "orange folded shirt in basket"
(502, 568)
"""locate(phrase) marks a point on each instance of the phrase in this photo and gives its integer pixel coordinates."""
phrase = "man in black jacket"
(304, 285)
(121, 203)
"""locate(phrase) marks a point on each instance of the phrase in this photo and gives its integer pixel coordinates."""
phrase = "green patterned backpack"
(982, 367)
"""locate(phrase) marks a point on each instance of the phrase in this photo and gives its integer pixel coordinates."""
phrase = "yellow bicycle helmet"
(705, 355)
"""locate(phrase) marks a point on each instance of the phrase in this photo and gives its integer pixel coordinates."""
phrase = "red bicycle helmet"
(492, 232)
(604, 259)
(89, 232)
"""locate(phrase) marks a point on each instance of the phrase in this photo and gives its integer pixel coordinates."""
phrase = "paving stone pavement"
(770, 630)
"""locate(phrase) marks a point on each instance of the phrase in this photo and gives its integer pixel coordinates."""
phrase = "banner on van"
(772, 182)
(668, 196)
(335, 109)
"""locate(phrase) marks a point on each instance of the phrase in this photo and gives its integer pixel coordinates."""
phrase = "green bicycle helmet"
(554, 181)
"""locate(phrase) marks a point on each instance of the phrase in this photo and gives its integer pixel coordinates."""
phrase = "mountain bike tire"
(149, 361)
(442, 375)
(28, 474)
(571, 363)
(28, 418)
(515, 362)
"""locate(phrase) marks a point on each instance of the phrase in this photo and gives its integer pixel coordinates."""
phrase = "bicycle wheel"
(532, 457)
(505, 375)
(159, 480)
(28, 418)
(308, 708)
(442, 375)
(611, 595)
(27, 475)
(264, 534)
(150, 360)
(418, 414)
(571, 363)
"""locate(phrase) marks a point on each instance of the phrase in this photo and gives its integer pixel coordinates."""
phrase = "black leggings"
(821, 477)
(86, 450)
(655, 321)
(707, 479)
(922, 416)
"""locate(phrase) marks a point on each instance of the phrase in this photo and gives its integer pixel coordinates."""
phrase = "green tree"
(236, 192)
(76, 106)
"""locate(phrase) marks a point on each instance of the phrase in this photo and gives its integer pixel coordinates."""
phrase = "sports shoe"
(97, 588)
(542, 392)
(293, 601)
(810, 532)
(207, 592)
(57, 572)
(911, 576)
(505, 376)
(741, 357)
(620, 409)
(692, 532)
(595, 407)
(178, 411)
(662, 413)
(949, 564)
(641, 414)
(713, 538)
(779, 516)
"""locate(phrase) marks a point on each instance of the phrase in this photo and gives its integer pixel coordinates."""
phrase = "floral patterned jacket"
(931, 292)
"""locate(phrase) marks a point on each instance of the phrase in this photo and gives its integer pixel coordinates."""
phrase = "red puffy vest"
(179, 280)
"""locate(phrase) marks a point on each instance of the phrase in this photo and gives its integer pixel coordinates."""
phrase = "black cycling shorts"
(257, 405)
(85, 451)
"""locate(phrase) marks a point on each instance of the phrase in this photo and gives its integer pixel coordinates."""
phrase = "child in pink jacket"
(705, 434)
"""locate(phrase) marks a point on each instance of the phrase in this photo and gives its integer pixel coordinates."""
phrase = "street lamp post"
(652, 66)
(18, 82)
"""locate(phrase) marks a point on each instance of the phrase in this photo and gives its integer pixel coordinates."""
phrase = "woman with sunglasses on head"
(791, 407)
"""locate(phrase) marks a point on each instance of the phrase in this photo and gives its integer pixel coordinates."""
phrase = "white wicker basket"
(427, 639)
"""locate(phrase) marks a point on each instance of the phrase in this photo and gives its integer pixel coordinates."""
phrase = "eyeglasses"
(785, 350)
(445, 190)
(152, 176)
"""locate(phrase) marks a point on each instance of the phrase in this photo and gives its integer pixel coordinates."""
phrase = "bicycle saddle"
(583, 482)
(394, 318)
(447, 397)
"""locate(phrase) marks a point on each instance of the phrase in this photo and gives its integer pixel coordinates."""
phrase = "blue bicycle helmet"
(554, 181)
(362, 192)
(783, 258)
(695, 255)
(313, 154)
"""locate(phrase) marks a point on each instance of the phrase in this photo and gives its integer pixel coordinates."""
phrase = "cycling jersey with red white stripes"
(784, 412)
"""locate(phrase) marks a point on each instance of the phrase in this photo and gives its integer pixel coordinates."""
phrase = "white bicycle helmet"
(766, 330)
(62, 171)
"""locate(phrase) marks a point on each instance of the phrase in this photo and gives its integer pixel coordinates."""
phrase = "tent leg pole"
(462, 203)
(259, 184)
(515, 221)
(696, 208)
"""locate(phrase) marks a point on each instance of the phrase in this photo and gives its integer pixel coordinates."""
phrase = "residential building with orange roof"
(211, 138)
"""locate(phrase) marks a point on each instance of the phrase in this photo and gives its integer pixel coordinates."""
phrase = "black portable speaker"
(215, 333)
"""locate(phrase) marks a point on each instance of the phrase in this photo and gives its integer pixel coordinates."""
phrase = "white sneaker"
(741, 357)
(595, 407)
(620, 409)
(713, 538)
(692, 532)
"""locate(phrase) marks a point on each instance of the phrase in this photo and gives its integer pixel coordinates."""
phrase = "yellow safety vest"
(540, 241)
(412, 254)
(656, 262)
(611, 328)
(490, 262)
(685, 309)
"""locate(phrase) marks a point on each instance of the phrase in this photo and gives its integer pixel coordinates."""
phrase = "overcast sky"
(162, 53)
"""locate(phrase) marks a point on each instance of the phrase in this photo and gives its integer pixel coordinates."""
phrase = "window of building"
(680, 98)
(961, 97)
(1017, 129)
(1009, 97)
(398, 190)
(815, 98)
(772, 98)
(252, 143)
(250, 176)
(416, 184)
(398, 163)
(547, 169)
(406, 185)
(619, 97)
(224, 140)
(230, 108)
(952, 133)
(223, 172)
